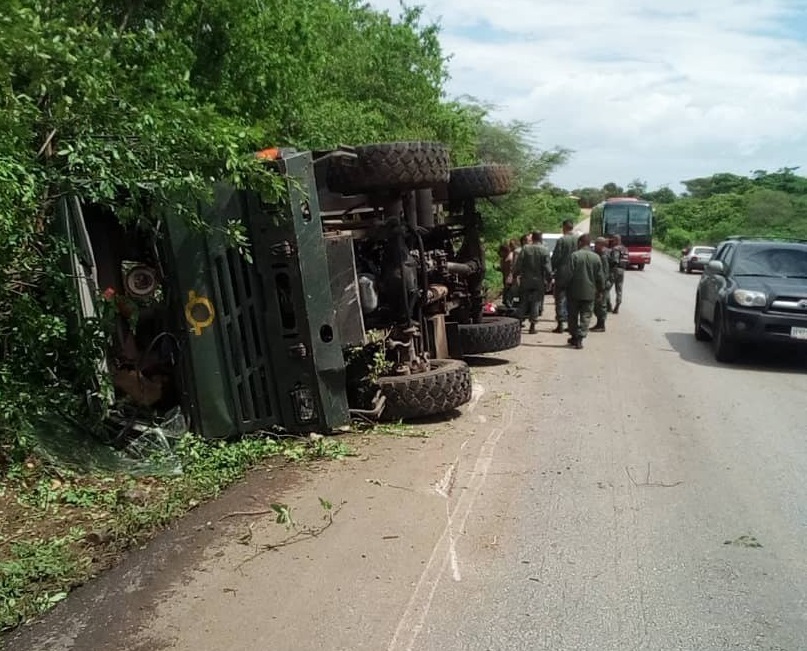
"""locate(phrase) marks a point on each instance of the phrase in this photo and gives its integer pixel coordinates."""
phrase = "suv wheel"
(680, 267)
(700, 333)
(725, 349)
(641, 266)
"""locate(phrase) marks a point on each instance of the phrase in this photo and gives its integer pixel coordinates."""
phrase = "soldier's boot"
(532, 328)
(616, 308)
(578, 344)
(599, 326)
(559, 330)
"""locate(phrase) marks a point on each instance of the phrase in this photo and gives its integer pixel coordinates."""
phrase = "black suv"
(753, 291)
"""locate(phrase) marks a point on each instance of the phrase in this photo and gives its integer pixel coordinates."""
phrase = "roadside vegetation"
(58, 527)
(773, 204)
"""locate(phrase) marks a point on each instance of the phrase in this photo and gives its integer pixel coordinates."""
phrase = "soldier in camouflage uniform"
(586, 279)
(619, 262)
(602, 298)
(506, 256)
(561, 259)
(532, 271)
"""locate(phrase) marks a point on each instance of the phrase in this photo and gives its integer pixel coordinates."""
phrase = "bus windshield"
(628, 220)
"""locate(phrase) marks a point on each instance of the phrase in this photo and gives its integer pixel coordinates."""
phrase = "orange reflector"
(272, 153)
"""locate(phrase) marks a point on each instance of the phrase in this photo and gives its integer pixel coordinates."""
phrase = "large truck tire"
(390, 166)
(493, 334)
(444, 387)
(479, 181)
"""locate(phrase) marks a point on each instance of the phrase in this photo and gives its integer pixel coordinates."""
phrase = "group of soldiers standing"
(582, 277)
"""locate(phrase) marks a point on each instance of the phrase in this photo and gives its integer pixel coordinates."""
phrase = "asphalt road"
(632, 495)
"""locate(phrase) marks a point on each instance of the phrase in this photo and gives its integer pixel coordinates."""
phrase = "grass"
(59, 528)
(397, 429)
(666, 248)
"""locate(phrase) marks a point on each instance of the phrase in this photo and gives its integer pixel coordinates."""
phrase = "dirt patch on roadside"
(58, 529)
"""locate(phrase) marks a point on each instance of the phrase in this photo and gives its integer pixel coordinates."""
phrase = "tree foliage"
(590, 196)
(661, 195)
(636, 188)
(534, 203)
(765, 204)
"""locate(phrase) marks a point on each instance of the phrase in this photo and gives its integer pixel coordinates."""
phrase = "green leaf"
(57, 597)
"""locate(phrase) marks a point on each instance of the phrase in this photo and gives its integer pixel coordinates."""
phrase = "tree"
(769, 210)
(533, 203)
(783, 180)
(589, 197)
(553, 190)
(636, 188)
(705, 187)
(612, 190)
(662, 195)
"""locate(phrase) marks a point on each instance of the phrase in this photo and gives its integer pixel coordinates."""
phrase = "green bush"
(678, 238)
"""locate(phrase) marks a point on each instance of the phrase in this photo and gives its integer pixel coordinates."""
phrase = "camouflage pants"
(580, 317)
(508, 295)
(601, 304)
(619, 279)
(561, 307)
(531, 305)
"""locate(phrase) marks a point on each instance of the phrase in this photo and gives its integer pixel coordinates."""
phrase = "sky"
(659, 90)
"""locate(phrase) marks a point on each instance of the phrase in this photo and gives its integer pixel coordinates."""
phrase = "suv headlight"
(747, 298)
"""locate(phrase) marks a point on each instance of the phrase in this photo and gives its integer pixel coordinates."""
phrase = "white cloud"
(658, 89)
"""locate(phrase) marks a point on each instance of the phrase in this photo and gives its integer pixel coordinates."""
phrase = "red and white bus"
(632, 220)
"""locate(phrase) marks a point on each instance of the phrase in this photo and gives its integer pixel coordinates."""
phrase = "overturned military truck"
(362, 297)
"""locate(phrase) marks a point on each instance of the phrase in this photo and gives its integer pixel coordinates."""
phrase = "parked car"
(551, 239)
(695, 258)
(753, 291)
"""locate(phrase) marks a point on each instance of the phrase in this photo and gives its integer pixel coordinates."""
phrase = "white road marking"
(477, 391)
(443, 553)
(452, 547)
(443, 487)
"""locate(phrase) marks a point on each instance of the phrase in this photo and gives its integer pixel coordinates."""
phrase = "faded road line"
(443, 554)
(477, 391)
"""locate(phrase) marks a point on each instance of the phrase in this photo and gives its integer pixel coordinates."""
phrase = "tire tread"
(446, 386)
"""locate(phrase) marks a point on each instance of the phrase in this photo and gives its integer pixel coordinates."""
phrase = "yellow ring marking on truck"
(197, 325)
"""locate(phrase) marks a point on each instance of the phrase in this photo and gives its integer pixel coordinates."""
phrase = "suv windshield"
(771, 261)
(702, 250)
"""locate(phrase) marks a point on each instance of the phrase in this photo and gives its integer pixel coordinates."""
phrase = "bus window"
(627, 220)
